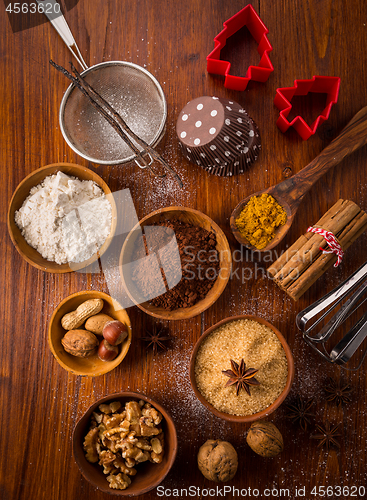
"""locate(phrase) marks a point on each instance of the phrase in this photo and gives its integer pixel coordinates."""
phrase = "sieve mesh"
(133, 93)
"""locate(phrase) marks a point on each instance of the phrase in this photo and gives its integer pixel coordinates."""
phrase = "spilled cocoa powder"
(199, 259)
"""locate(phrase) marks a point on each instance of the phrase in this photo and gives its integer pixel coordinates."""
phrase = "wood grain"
(40, 401)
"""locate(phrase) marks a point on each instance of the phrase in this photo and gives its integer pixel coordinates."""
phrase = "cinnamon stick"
(334, 220)
(298, 268)
(302, 240)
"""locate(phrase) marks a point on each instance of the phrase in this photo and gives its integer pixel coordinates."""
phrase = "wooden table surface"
(40, 401)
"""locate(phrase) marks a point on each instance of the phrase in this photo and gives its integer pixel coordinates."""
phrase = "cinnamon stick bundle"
(303, 263)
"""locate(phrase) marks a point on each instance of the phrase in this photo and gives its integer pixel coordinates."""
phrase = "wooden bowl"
(197, 219)
(91, 366)
(269, 409)
(30, 254)
(149, 475)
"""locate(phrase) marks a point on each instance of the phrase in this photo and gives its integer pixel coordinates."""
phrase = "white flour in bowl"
(65, 219)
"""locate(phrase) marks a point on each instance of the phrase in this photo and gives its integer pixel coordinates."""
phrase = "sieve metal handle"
(149, 165)
(61, 26)
(144, 166)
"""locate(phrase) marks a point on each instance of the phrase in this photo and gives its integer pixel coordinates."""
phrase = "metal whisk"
(353, 290)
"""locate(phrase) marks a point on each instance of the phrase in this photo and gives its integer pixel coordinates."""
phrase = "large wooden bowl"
(149, 475)
(29, 253)
(197, 219)
(91, 366)
(269, 409)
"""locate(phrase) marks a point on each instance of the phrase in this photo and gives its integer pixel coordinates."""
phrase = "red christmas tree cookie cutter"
(322, 84)
(245, 17)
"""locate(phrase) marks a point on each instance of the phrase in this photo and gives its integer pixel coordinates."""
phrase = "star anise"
(327, 435)
(299, 412)
(241, 377)
(337, 392)
(156, 340)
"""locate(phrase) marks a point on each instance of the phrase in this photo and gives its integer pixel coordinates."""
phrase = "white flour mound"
(65, 219)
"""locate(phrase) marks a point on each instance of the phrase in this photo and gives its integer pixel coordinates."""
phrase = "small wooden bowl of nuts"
(89, 333)
(141, 453)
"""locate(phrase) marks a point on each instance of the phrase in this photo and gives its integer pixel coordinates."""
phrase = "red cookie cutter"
(322, 84)
(245, 17)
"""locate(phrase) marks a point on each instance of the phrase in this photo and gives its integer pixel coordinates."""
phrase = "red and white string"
(332, 242)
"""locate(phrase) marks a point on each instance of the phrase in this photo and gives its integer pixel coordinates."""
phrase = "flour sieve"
(130, 89)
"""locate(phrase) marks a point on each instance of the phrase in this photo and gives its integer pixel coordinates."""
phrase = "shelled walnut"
(119, 438)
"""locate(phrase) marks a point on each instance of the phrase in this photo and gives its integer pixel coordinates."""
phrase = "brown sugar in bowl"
(255, 416)
(30, 254)
(90, 366)
(196, 218)
(149, 475)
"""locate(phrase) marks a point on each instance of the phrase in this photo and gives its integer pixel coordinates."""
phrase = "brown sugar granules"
(260, 348)
(199, 258)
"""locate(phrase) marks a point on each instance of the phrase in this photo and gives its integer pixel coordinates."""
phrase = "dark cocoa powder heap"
(199, 263)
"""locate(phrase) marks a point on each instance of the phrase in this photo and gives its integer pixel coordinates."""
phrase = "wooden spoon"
(290, 192)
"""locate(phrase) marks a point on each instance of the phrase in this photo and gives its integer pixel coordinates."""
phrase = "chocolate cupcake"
(218, 135)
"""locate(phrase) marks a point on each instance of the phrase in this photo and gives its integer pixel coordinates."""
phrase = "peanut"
(75, 319)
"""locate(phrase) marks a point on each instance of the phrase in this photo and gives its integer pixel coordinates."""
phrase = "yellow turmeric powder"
(259, 219)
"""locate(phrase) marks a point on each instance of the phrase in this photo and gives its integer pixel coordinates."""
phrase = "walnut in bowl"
(125, 444)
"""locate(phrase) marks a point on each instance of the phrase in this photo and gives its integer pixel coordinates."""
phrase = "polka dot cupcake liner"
(248, 155)
(218, 135)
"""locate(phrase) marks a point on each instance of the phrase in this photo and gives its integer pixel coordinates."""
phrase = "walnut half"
(119, 481)
(90, 445)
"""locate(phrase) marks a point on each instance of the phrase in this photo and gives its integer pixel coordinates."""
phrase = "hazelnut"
(96, 323)
(265, 439)
(114, 332)
(106, 351)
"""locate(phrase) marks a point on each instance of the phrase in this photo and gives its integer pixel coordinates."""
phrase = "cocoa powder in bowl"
(200, 264)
